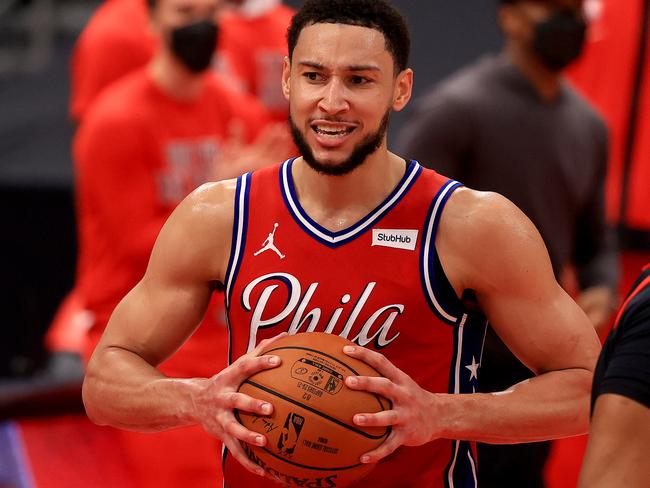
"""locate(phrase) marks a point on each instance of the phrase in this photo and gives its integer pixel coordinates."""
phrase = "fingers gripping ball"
(312, 440)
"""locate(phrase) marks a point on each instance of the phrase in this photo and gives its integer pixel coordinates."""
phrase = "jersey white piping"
(459, 353)
(471, 463)
(427, 246)
(241, 206)
(369, 221)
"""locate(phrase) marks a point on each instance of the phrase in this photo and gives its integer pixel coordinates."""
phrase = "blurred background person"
(118, 39)
(145, 143)
(620, 424)
(510, 123)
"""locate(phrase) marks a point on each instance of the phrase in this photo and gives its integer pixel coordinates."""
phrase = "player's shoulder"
(207, 213)
(477, 219)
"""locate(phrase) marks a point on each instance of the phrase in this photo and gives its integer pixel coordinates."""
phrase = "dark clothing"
(624, 363)
(488, 127)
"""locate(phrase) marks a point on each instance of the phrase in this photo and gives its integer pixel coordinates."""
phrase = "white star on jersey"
(473, 368)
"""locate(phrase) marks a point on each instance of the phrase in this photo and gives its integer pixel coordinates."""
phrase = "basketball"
(312, 440)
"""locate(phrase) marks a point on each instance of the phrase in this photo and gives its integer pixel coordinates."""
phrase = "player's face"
(341, 85)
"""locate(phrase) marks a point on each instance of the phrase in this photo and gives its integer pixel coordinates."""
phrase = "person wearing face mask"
(510, 123)
(148, 140)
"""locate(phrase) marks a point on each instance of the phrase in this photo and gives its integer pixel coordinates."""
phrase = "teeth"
(332, 131)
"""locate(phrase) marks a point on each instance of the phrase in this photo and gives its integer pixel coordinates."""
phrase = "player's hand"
(413, 407)
(215, 405)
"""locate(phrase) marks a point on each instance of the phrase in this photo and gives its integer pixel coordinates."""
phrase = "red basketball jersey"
(379, 283)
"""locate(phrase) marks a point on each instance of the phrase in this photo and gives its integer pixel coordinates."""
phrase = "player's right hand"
(214, 405)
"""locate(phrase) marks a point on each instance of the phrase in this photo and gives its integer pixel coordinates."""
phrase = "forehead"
(336, 45)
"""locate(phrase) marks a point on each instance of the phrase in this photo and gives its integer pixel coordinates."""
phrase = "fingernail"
(360, 419)
(261, 472)
(259, 440)
(266, 407)
(365, 459)
(347, 349)
(352, 381)
(274, 360)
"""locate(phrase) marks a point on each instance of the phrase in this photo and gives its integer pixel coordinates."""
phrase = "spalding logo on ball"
(312, 440)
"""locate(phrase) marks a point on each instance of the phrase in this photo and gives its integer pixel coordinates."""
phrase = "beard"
(367, 146)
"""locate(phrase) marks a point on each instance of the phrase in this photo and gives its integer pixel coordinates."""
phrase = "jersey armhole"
(437, 289)
(238, 242)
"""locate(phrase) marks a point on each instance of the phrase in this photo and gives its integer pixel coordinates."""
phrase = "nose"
(334, 99)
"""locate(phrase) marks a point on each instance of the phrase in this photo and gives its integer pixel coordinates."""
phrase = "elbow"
(90, 397)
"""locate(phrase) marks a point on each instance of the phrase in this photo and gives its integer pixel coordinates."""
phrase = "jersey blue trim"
(336, 239)
(443, 310)
(469, 337)
(238, 242)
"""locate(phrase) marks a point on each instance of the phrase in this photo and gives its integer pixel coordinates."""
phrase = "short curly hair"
(375, 14)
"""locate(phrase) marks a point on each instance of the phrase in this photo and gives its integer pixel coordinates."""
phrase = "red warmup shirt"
(379, 283)
(115, 42)
(252, 50)
(614, 74)
(138, 153)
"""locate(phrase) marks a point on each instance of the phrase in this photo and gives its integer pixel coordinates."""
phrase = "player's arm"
(122, 387)
(619, 438)
(492, 248)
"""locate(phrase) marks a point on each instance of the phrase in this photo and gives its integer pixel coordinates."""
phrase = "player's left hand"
(413, 415)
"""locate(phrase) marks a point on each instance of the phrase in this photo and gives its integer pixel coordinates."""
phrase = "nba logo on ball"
(290, 434)
(312, 440)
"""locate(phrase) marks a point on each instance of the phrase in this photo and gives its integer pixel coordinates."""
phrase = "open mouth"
(332, 131)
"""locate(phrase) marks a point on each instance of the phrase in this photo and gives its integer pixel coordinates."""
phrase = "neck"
(175, 79)
(546, 82)
(337, 202)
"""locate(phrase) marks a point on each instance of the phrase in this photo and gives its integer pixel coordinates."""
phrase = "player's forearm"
(122, 390)
(552, 405)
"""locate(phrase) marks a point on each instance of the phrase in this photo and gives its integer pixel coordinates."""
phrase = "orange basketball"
(312, 440)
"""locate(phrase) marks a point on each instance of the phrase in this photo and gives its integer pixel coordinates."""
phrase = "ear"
(286, 78)
(403, 89)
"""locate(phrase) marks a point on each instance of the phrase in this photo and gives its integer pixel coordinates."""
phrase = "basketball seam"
(317, 412)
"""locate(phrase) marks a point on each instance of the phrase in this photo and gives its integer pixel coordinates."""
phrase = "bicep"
(527, 308)
(619, 436)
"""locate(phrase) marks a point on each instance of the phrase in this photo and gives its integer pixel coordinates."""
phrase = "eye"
(359, 80)
(313, 76)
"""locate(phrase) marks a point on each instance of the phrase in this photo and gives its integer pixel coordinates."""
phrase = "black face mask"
(559, 39)
(194, 44)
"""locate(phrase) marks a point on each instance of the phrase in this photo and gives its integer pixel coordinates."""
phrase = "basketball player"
(397, 258)
(620, 427)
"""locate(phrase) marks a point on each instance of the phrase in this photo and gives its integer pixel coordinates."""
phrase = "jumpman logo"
(268, 244)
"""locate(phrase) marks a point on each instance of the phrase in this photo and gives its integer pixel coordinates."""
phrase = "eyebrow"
(354, 67)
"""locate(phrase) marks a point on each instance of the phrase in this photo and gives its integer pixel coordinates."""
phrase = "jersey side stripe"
(431, 227)
(238, 233)
(333, 239)
(473, 465)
